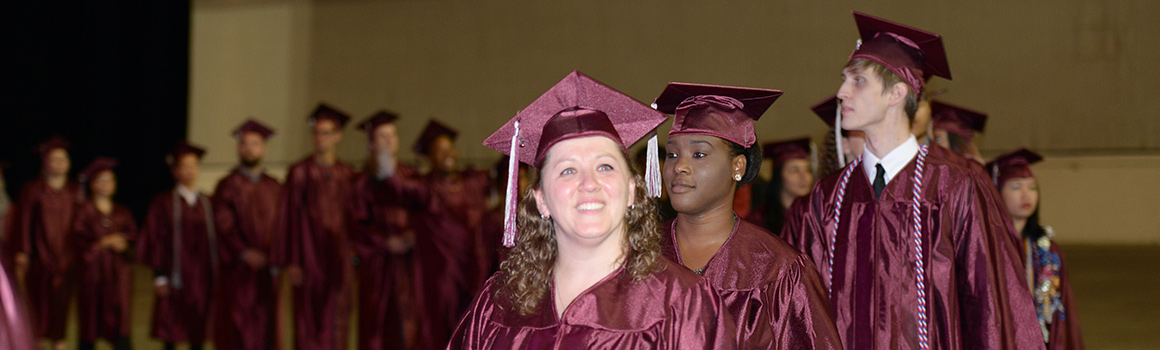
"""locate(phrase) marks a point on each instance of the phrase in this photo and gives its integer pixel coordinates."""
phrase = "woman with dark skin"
(772, 289)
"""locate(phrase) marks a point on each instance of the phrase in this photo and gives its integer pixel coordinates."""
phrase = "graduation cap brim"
(934, 57)
(755, 100)
(379, 118)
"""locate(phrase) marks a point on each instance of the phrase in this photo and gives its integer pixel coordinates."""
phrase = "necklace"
(916, 221)
(701, 270)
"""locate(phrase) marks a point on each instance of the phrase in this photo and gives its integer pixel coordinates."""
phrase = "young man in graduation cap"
(178, 241)
(246, 206)
(40, 241)
(908, 256)
(382, 237)
(313, 217)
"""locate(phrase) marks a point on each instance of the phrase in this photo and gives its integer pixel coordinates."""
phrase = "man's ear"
(898, 93)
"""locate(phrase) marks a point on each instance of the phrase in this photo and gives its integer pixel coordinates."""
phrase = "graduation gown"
(448, 214)
(1051, 290)
(995, 210)
(670, 309)
(106, 277)
(976, 296)
(246, 211)
(384, 277)
(43, 229)
(183, 315)
(772, 290)
(312, 215)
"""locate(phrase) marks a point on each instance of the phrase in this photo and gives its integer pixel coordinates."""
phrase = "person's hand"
(21, 260)
(397, 245)
(115, 242)
(294, 274)
(255, 259)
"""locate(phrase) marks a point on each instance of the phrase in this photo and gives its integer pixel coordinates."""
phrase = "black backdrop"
(111, 77)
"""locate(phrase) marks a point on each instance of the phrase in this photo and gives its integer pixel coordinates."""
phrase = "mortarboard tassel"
(653, 168)
(509, 207)
(838, 131)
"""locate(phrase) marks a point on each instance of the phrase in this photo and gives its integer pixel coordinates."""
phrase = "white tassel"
(838, 135)
(513, 183)
(653, 168)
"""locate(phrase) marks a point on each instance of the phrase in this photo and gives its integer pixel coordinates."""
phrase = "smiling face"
(699, 173)
(586, 187)
(442, 154)
(1021, 196)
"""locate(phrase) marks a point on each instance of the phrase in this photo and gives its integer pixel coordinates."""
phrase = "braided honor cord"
(916, 219)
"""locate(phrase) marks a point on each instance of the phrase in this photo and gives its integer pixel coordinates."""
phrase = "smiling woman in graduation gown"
(771, 289)
(587, 203)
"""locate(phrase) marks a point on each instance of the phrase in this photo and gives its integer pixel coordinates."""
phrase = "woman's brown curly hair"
(527, 271)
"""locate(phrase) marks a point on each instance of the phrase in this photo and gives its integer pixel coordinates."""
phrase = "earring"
(737, 177)
(631, 206)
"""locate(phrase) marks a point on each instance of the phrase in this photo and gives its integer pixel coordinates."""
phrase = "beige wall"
(1070, 78)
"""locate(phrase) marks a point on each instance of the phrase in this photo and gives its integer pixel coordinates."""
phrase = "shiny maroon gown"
(384, 277)
(183, 315)
(246, 211)
(976, 295)
(772, 290)
(448, 214)
(313, 216)
(15, 331)
(42, 231)
(670, 309)
(106, 277)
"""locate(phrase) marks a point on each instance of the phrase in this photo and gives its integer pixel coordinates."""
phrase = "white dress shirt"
(893, 162)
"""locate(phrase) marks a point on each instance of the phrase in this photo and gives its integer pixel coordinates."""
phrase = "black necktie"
(879, 180)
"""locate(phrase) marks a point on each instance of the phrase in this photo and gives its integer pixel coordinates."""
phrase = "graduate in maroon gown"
(910, 261)
(586, 271)
(449, 258)
(316, 255)
(1046, 271)
(793, 177)
(103, 232)
(246, 211)
(179, 242)
(842, 146)
(954, 128)
(771, 289)
(381, 236)
(41, 245)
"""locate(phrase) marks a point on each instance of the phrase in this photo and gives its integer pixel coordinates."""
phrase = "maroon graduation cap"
(324, 111)
(96, 167)
(912, 54)
(379, 118)
(1016, 164)
(577, 106)
(254, 126)
(433, 130)
(957, 120)
(182, 148)
(785, 150)
(727, 112)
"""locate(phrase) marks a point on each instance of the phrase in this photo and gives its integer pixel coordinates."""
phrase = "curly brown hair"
(527, 271)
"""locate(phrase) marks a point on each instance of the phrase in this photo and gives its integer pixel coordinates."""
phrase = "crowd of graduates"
(908, 239)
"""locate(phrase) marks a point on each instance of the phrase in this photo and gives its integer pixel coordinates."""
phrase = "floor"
(1116, 288)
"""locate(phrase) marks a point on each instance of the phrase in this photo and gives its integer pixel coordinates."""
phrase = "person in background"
(954, 128)
(246, 209)
(793, 178)
(178, 241)
(450, 256)
(1046, 271)
(40, 242)
(838, 151)
(586, 271)
(771, 289)
(912, 223)
(381, 236)
(316, 256)
(103, 232)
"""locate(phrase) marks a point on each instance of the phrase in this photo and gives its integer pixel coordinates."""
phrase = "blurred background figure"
(178, 242)
(381, 236)
(316, 254)
(837, 152)
(793, 178)
(1045, 269)
(103, 232)
(246, 210)
(40, 241)
(954, 128)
